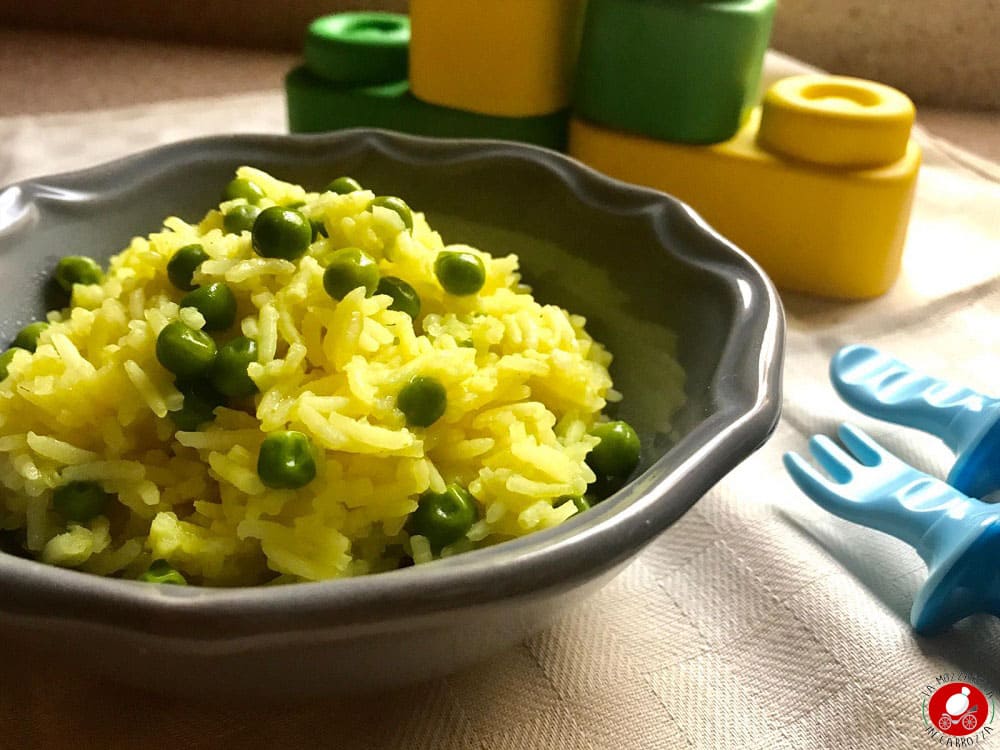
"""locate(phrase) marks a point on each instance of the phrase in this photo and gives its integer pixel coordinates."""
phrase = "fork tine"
(891, 497)
(858, 442)
(831, 457)
(822, 491)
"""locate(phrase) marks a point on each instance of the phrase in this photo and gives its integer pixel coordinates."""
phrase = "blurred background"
(59, 56)
(941, 52)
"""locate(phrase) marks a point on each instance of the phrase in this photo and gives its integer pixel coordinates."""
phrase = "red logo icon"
(958, 709)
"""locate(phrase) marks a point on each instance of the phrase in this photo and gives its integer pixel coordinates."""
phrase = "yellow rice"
(524, 380)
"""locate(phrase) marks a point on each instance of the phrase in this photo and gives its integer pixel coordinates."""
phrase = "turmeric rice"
(520, 388)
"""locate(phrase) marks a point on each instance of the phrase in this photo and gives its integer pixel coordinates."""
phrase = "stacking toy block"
(508, 58)
(677, 70)
(817, 186)
(355, 76)
(317, 105)
(967, 421)
(359, 48)
(958, 537)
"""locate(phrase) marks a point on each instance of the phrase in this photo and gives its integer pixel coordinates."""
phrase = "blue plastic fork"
(957, 536)
(967, 421)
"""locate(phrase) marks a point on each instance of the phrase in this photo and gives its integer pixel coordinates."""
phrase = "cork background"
(940, 52)
(247, 23)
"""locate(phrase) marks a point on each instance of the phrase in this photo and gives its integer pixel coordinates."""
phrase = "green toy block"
(315, 105)
(359, 48)
(686, 71)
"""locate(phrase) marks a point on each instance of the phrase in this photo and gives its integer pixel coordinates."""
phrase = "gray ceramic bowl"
(639, 265)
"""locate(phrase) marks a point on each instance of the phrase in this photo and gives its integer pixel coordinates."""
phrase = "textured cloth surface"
(757, 621)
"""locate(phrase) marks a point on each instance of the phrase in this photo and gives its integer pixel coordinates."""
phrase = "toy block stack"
(484, 69)
(816, 184)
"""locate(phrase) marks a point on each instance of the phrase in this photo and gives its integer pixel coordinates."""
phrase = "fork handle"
(883, 387)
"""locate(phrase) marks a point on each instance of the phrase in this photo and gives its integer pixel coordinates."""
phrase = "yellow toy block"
(509, 58)
(817, 186)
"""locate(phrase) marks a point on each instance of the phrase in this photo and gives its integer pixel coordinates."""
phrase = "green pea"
(77, 269)
(348, 269)
(229, 371)
(423, 400)
(185, 351)
(5, 360)
(286, 460)
(460, 273)
(581, 503)
(344, 185)
(160, 571)
(398, 205)
(404, 297)
(27, 337)
(444, 518)
(80, 501)
(616, 456)
(281, 233)
(246, 189)
(240, 218)
(200, 402)
(183, 264)
(216, 303)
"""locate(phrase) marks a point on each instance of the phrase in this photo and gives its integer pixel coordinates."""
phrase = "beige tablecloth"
(757, 621)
